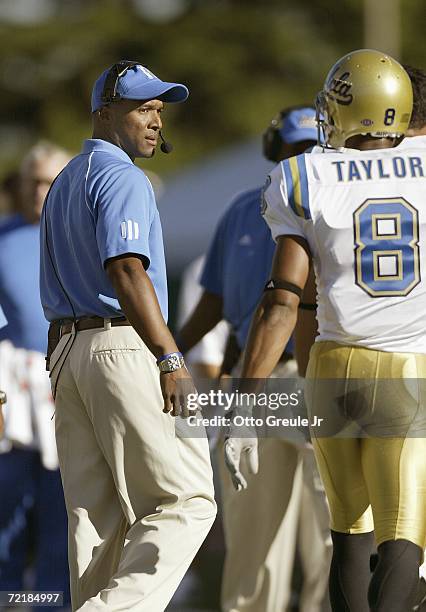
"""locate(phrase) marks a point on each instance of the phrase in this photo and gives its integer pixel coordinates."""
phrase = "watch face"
(172, 363)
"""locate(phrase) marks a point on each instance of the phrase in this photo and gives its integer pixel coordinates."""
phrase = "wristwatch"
(3, 398)
(170, 362)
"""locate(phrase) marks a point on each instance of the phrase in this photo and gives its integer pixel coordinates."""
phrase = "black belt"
(59, 328)
(90, 323)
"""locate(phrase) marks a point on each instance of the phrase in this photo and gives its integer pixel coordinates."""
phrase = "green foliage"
(243, 60)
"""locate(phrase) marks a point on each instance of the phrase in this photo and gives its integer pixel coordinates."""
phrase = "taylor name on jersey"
(363, 214)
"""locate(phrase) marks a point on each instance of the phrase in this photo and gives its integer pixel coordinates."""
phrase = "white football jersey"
(363, 214)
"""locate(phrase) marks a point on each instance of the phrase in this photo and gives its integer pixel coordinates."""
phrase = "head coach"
(139, 497)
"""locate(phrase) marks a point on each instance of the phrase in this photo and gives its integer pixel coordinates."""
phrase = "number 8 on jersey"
(386, 247)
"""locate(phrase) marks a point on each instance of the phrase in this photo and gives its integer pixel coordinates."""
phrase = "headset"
(272, 139)
(109, 93)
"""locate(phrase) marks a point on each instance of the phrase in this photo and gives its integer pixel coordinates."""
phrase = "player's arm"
(139, 303)
(306, 326)
(206, 315)
(271, 327)
(276, 315)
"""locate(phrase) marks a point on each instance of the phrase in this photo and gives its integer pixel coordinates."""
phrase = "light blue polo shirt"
(99, 207)
(19, 284)
(239, 262)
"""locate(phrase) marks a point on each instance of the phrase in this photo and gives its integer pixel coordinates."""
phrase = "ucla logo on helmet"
(340, 87)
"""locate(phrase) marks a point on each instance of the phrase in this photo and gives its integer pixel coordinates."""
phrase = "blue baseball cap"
(299, 125)
(139, 83)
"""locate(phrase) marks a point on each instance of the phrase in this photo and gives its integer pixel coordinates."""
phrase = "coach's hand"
(176, 388)
(238, 448)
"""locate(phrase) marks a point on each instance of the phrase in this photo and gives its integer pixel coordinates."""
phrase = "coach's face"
(134, 125)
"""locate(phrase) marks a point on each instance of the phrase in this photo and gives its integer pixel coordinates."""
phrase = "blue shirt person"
(20, 250)
(19, 285)
(238, 263)
(31, 486)
(239, 259)
(237, 268)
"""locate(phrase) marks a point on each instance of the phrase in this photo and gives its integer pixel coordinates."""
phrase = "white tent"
(194, 200)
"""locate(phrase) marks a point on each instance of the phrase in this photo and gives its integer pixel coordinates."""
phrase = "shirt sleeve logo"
(129, 230)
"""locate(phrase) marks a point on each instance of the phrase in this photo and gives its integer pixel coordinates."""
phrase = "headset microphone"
(165, 146)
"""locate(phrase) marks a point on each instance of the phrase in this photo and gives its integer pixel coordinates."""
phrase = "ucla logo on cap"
(307, 121)
(146, 72)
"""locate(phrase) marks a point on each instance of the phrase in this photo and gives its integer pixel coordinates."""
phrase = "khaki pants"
(284, 506)
(139, 497)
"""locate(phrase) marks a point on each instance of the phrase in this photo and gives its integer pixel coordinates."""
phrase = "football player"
(359, 214)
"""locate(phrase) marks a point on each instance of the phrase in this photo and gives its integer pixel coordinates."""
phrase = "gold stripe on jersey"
(372, 481)
(297, 191)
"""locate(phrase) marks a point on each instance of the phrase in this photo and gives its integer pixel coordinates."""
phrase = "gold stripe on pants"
(371, 446)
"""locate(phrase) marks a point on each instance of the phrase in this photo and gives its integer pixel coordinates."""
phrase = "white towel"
(29, 409)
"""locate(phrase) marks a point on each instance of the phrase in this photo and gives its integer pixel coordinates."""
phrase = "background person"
(33, 523)
(204, 361)
(285, 507)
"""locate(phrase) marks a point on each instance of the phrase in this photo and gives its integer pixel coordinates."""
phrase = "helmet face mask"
(324, 121)
(365, 92)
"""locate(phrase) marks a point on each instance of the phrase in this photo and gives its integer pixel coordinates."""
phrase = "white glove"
(234, 449)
